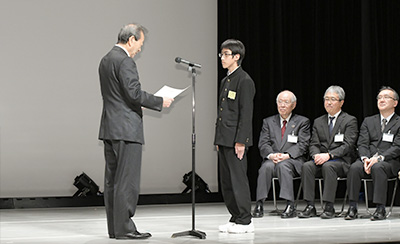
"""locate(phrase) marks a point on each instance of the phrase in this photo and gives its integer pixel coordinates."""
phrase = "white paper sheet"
(167, 91)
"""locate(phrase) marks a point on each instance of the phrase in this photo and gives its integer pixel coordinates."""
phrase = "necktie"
(283, 128)
(331, 118)
(383, 124)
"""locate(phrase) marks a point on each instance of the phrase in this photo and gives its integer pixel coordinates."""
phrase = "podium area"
(87, 225)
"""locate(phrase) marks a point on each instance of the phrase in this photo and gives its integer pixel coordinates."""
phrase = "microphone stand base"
(195, 233)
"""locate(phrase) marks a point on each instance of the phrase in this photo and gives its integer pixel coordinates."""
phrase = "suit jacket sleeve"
(393, 152)
(246, 96)
(265, 141)
(131, 87)
(315, 143)
(303, 140)
(364, 140)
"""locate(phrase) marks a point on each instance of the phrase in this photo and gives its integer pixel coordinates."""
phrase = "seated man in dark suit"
(283, 145)
(379, 150)
(332, 149)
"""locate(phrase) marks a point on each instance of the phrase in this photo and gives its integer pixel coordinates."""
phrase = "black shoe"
(258, 210)
(329, 212)
(290, 212)
(351, 213)
(308, 212)
(135, 235)
(111, 236)
(380, 214)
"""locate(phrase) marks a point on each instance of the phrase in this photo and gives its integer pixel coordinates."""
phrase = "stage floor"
(88, 226)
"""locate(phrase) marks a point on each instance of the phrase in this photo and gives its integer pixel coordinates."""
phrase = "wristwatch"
(380, 158)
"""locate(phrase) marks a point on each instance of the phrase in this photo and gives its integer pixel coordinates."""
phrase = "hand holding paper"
(167, 102)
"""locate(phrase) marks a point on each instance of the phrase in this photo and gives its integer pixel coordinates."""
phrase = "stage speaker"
(200, 184)
(86, 186)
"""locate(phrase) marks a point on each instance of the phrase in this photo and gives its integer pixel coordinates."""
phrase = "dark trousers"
(284, 170)
(235, 185)
(380, 172)
(329, 171)
(121, 185)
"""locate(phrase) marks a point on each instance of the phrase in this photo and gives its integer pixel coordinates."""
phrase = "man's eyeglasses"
(386, 97)
(332, 99)
(225, 55)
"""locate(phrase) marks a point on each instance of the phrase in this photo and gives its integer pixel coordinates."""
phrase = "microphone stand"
(193, 231)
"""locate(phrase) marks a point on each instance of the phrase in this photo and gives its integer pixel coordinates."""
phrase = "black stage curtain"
(307, 45)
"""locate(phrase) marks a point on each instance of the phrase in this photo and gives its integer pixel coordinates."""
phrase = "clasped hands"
(278, 157)
(368, 162)
(321, 158)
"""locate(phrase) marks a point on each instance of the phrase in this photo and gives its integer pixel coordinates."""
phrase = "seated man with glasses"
(379, 150)
(332, 149)
(283, 145)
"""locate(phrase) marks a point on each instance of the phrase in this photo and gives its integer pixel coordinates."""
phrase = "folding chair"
(365, 181)
(277, 211)
(338, 214)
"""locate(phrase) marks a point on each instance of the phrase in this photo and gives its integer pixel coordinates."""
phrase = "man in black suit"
(233, 136)
(379, 150)
(121, 129)
(283, 145)
(332, 149)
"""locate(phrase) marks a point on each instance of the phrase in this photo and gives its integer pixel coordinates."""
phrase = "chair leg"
(366, 197)
(298, 194)
(393, 196)
(320, 193)
(274, 196)
(342, 212)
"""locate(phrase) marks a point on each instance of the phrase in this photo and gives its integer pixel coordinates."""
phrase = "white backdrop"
(50, 101)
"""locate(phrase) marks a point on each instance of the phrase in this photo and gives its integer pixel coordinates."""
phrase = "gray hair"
(396, 96)
(293, 99)
(336, 89)
(129, 30)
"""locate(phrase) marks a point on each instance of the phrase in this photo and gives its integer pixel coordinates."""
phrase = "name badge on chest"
(387, 137)
(232, 95)
(339, 137)
(292, 138)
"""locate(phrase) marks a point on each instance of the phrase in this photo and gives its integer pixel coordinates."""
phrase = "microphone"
(179, 60)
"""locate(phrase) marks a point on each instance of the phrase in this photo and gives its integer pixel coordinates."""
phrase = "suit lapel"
(277, 129)
(391, 123)
(377, 126)
(289, 126)
(325, 128)
(339, 120)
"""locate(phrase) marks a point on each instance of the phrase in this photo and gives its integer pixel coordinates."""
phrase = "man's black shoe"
(258, 210)
(308, 212)
(290, 212)
(329, 212)
(380, 214)
(351, 213)
(135, 235)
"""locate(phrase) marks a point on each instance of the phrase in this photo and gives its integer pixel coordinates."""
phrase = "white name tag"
(292, 138)
(387, 137)
(339, 137)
